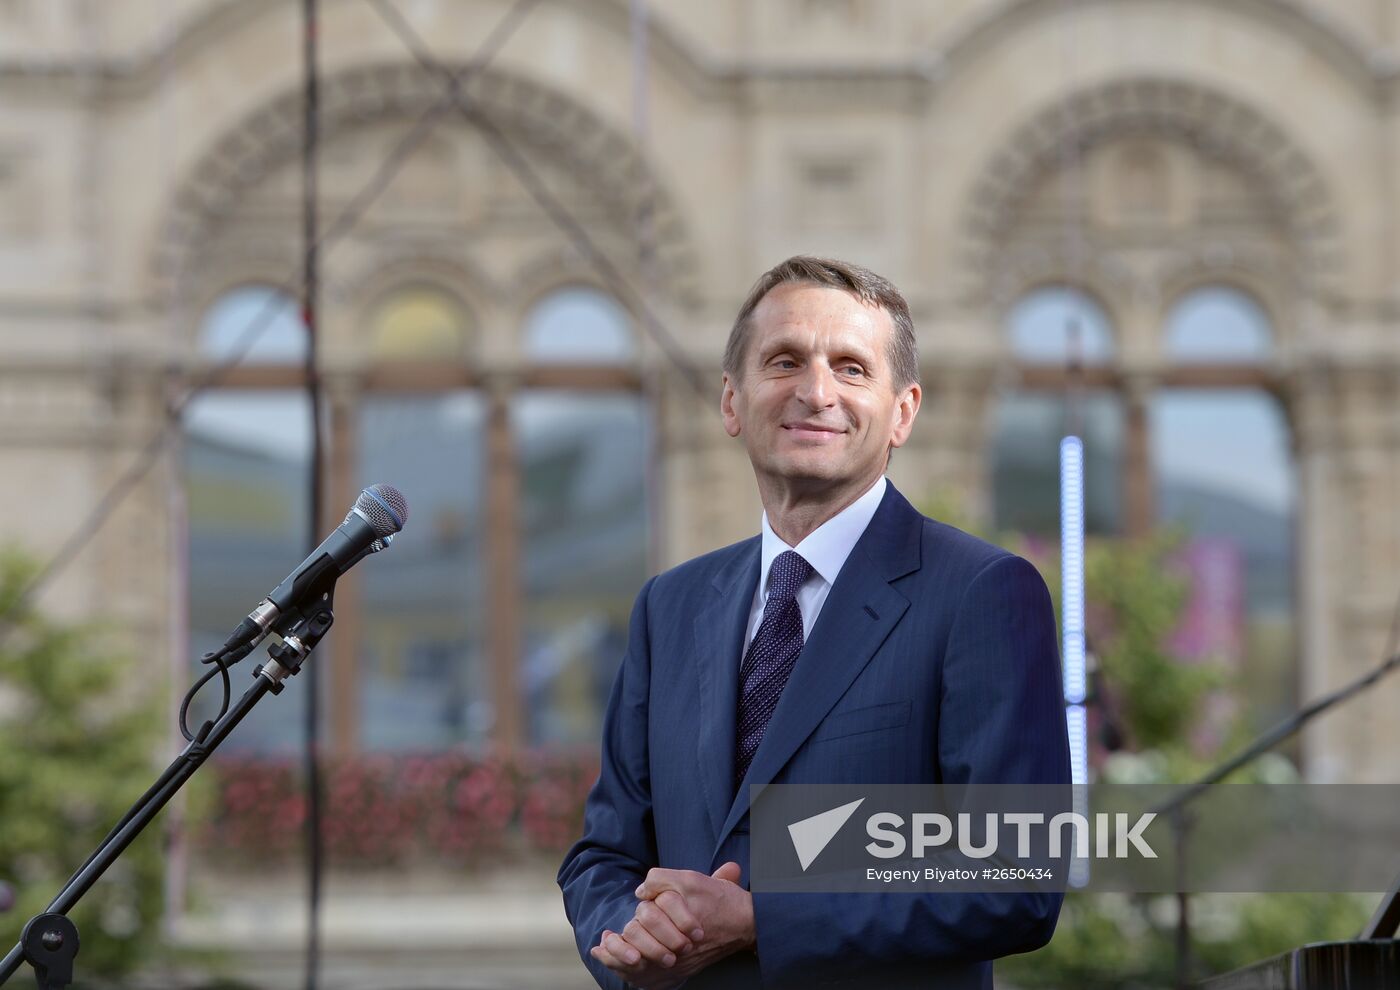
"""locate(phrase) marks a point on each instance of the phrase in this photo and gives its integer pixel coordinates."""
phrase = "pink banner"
(1213, 621)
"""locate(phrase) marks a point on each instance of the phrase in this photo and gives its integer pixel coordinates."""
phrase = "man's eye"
(854, 370)
(786, 363)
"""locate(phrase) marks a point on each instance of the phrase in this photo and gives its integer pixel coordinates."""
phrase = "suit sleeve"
(604, 867)
(1001, 721)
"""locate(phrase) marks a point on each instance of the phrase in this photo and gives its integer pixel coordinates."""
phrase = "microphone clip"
(285, 658)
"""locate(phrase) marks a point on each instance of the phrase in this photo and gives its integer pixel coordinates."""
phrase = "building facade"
(1171, 222)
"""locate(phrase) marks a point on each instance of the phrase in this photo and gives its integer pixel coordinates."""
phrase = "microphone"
(378, 513)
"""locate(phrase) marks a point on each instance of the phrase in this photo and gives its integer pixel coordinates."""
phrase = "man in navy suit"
(852, 641)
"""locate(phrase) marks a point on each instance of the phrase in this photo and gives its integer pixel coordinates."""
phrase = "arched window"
(246, 457)
(422, 673)
(253, 324)
(423, 677)
(579, 325)
(1051, 324)
(420, 323)
(1217, 325)
(500, 613)
(1206, 450)
(583, 514)
(1222, 471)
(1030, 421)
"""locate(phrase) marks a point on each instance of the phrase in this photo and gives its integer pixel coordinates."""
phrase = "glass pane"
(246, 471)
(584, 522)
(1218, 326)
(579, 326)
(420, 323)
(1026, 462)
(261, 323)
(423, 676)
(1223, 470)
(1042, 324)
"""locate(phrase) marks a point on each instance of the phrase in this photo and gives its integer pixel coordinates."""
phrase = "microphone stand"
(49, 941)
(1180, 817)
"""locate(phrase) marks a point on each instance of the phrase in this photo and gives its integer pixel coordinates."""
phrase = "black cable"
(220, 667)
(171, 770)
(344, 222)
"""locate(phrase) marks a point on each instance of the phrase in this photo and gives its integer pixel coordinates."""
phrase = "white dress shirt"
(825, 548)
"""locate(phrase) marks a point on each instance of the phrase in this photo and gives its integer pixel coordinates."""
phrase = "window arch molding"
(362, 294)
(1104, 311)
(544, 118)
(549, 271)
(1258, 290)
(558, 269)
(195, 328)
(1232, 129)
(545, 284)
(1097, 293)
(1250, 339)
(226, 275)
(456, 276)
(548, 289)
(373, 311)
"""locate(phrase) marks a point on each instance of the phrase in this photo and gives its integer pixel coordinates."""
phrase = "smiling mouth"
(805, 430)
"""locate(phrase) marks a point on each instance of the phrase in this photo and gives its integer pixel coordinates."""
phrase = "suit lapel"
(859, 612)
(719, 638)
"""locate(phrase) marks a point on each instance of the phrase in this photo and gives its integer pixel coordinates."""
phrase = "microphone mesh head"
(385, 507)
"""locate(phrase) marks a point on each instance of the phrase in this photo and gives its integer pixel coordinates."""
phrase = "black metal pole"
(1183, 901)
(310, 312)
(1288, 727)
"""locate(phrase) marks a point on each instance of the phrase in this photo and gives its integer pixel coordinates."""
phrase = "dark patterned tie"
(771, 656)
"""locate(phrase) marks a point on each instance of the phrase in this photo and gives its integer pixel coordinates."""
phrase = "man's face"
(815, 400)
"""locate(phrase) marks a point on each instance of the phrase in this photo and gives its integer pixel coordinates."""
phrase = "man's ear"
(904, 412)
(732, 426)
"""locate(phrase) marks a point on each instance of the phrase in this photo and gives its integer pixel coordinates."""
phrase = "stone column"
(710, 496)
(946, 460)
(1348, 428)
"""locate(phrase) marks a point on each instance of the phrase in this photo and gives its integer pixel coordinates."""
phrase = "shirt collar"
(826, 547)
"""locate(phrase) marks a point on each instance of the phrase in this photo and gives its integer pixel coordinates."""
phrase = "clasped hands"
(684, 922)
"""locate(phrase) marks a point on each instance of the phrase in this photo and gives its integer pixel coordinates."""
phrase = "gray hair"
(860, 282)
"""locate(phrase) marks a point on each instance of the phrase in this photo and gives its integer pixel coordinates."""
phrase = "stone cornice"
(1373, 69)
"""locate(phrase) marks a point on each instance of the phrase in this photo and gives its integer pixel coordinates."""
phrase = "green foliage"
(1122, 942)
(1257, 926)
(1137, 604)
(1102, 942)
(73, 756)
(1133, 602)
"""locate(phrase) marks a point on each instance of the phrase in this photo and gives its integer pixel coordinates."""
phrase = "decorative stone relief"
(833, 191)
(603, 175)
(1286, 193)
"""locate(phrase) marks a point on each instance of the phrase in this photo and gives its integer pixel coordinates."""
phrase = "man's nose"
(817, 389)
